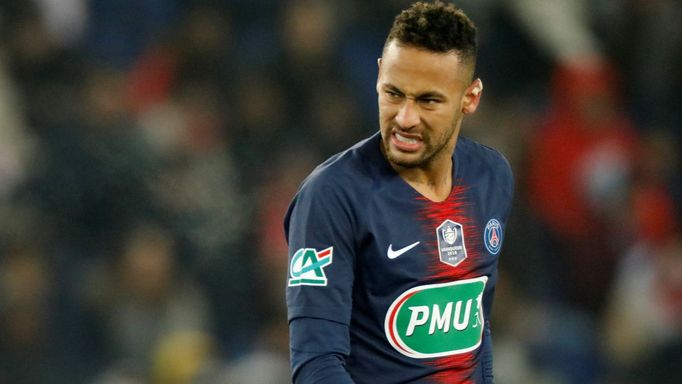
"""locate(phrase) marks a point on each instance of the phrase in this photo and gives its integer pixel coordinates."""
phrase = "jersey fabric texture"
(387, 286)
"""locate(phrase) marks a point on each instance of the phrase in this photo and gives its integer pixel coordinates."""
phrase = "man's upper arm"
(320, 282)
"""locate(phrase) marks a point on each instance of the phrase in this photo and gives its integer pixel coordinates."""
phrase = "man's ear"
(378, 73)
(472, 96)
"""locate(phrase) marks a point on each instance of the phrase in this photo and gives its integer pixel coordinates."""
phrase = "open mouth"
(406, 142)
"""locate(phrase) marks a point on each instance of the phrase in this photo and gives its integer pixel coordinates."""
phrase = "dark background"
(149, 149)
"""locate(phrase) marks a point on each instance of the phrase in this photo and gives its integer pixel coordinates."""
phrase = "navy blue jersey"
(387, 286)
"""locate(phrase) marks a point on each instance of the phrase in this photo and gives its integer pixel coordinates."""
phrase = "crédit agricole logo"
(438, 319)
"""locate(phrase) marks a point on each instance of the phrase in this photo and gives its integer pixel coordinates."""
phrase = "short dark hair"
(438, 27)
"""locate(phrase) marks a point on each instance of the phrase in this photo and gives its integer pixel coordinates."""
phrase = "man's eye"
(392, 94)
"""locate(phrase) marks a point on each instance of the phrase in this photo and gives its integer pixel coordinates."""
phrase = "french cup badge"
(451, 249)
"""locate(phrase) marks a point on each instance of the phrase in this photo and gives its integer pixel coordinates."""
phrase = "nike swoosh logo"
(393, 254)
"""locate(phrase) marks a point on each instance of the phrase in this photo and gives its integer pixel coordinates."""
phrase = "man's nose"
(408, 115)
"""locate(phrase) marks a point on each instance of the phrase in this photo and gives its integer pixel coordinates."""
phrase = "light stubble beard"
(429, 154)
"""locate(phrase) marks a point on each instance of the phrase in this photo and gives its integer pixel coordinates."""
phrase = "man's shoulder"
(337, 184)
(481, 158)
(349, 169)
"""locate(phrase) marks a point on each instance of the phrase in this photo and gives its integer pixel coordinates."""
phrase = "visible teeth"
(405, 139)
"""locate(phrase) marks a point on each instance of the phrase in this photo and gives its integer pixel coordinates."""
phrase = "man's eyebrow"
(392, 88)
(431, 94)
(424, 95)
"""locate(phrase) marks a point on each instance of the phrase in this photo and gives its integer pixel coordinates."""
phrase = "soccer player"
(394, 243)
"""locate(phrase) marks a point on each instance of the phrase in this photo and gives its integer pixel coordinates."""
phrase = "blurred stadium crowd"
(149, 149)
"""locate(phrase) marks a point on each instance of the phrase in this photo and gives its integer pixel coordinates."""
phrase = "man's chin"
(404, 161)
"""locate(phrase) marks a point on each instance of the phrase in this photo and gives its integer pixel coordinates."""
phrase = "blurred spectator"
(31, 324)
(652, 69)
(153, 310)
(64, 19)
(25, 327)
(643, 323)
(541, 341)
(47, 75)
(90, 181)
(198, 188)
(320, 110)
(118, 31)
(260, 127)
(197, 184)
(268, 360)
(581, 164)
(17, 146)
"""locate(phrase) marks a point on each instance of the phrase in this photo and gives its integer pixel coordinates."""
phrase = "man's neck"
(433, 181)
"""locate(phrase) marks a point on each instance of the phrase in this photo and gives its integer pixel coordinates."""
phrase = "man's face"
(422, 98)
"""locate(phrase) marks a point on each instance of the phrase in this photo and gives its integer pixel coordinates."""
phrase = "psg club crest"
(451, 247)
(492, 237)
